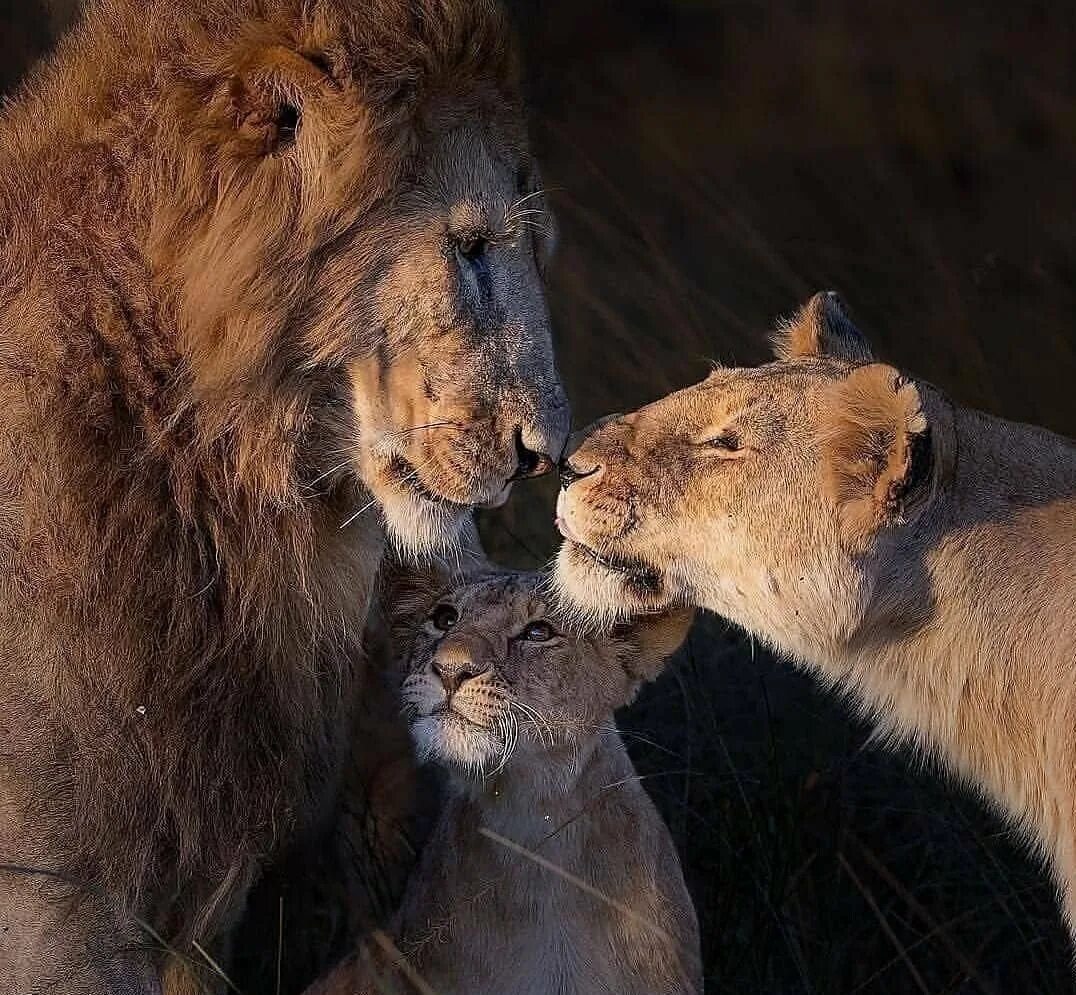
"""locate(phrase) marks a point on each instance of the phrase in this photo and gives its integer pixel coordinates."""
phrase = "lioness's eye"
(728, 442)
(287, 124)
(444, 617)
(538, 632)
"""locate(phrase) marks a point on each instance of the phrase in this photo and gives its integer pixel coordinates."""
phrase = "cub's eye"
(473, 247)
(538, 632)
(727, 442)
(444, 617)
(287, 123)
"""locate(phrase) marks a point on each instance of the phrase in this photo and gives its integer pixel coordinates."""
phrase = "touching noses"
(540, 439)
(457, 663)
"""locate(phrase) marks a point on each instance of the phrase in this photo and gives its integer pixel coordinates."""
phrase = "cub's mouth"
(448, 737)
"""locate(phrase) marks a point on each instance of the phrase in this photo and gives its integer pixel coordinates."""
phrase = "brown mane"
(180, 614)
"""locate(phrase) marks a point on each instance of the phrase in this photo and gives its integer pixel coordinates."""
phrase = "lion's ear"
(821, 328)
(654, 638)
(877, 450)
(266, 95)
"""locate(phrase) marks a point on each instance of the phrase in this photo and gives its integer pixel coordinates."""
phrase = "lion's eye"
(472, 248)
(538, 632)
(287, 123)
(444, 617)
(728, 442)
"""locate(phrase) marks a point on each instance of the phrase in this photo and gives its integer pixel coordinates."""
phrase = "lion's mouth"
(638, 574)
(404, 475)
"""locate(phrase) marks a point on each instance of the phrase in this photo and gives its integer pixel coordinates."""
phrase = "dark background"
(712, 164)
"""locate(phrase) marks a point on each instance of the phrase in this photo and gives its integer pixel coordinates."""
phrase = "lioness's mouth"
(635, 572)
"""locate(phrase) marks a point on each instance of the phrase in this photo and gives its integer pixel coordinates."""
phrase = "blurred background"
(712, 164)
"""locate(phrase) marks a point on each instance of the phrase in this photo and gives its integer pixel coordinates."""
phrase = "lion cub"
(549, 871)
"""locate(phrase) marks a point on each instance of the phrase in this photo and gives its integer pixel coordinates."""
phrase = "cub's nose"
(456, 665)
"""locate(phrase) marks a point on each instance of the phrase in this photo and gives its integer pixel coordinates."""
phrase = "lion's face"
(345, 210)
(762, 494)
(496, 678)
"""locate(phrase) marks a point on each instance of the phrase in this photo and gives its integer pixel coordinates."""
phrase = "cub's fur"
(549, 870)
(264, 264)
(913, 553)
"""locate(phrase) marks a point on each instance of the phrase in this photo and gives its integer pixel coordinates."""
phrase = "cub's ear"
(654, 638)
(877, 451)
(821, 328)
(407, 591)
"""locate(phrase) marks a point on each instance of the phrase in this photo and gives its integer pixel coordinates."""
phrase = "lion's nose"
(528, 462)
(569, 474)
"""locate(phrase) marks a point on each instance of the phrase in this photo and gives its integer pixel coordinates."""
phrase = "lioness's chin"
(604, 590)
(447, 739)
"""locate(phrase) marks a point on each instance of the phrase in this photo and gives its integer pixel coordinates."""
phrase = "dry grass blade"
(582, 885)
(218, 970)
(884, 923)
(917, 909)
(400, 962)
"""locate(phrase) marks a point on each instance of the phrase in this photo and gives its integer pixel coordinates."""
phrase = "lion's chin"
(422, 528)
(605, 591)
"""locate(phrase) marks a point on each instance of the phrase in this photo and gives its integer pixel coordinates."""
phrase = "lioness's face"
(347, 212)
(759, 493)
(496, 678)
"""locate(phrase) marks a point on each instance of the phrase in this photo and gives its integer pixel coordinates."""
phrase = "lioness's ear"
(821, 328)
(877, 451)
(654, 638)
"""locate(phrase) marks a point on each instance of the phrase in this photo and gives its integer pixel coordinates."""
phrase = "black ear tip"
(832, 301)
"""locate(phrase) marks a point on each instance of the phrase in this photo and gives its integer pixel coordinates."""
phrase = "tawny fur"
(549, 871)
(915, 555)
(234, 312)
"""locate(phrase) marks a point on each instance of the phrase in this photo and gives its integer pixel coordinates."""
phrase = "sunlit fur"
(914, 554)
(532, 753)
(229, 346)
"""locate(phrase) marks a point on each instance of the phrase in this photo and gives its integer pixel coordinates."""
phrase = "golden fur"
(912, 553)
(520, 713)
(266, 264)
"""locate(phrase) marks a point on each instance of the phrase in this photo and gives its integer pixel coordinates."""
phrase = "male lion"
(914, 553)
(267, 268)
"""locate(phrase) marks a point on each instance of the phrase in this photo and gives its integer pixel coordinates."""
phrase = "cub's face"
(495, 678)
(767, 495)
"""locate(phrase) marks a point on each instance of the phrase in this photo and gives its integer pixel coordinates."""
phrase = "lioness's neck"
(970, 649)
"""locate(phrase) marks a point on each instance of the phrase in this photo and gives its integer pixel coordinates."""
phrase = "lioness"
(913, 552)
(550, 871)
(270, 284)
